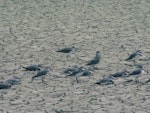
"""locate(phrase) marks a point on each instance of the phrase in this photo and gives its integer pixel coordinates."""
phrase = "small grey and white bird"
(96, 59)
(42, 72)
(77, 71)
(71, 69)
(105, 81)
(13, 80)
(35, 67)
(4, 85)
(135, 55)
(119, 74)
(85, 72)
(137, 73)
(66, 50)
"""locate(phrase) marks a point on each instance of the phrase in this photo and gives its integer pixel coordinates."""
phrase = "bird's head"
(139, 52)
(139, 66)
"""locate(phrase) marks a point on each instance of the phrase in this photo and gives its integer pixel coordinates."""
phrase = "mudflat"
(32, 31)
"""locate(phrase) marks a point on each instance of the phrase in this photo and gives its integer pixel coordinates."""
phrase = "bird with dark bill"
(119, 74)
(95, 60)
(4, 85)
(42, 72)
(71, 69)
(138, 71)
(85, 72)
(13, 80)
(66, 50)
(105, 81)
(35, 67)
(75, 70)
(135, 55)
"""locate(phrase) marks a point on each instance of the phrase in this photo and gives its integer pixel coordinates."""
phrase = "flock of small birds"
(77, 71)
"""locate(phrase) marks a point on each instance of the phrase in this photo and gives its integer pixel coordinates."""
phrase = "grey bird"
(135, 55)
(72, 72)
(75, 70)
(137, 73)
(85, 72)
(82, 71)
(41, 73)
(105, 81)
(71, 69)
(95, 60)
(4, 85)
(13, 80)
(35, 67)
(66, 50)
(119, 74)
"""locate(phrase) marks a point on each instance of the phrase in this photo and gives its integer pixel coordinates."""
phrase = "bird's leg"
(134, 62)
(43, 81)
(77, 80)
(148, 80)
(32, 79)
(136, 80)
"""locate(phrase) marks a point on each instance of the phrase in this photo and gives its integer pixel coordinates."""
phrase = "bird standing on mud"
(136, 73)
(66, 50)
(35, 67)
(96, 59)
(41, 73)
(105, 81)
(134, 56)
(119, 74)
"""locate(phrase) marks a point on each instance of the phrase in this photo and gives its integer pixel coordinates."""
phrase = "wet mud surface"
(32, 31)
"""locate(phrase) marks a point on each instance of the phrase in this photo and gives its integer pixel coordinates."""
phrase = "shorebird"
(77, 71)
(66, 50)
(41, 73)
(4, 85)
(13, 80)
(74, 72)
(134, 56)
(105, 81)
(85, 72)
(136, 73)
(119, 74)
(95, 60)
(71, 70)
(35, 67)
